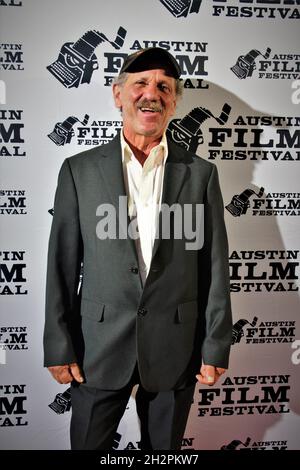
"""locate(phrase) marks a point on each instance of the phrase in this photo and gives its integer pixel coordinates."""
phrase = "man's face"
(148, 100)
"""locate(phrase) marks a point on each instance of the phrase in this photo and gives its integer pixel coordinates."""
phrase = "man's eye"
(164, 88)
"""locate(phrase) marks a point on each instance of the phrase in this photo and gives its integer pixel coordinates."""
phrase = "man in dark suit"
(153, 308)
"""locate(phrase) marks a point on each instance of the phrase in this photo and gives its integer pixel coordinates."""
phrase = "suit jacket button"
(142, 312)
(134, 270)
(155, 269)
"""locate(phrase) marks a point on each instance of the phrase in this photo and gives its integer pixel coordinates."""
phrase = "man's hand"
(209, 374)
(66, 374)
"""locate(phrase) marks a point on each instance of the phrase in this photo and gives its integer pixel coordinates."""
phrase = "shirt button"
(142, 312)
(134, 270)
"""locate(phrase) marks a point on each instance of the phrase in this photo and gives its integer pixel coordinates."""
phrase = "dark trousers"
(96, 415)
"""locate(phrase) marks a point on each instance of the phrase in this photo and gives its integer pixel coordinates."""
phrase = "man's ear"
(116, 93)
(174, 105)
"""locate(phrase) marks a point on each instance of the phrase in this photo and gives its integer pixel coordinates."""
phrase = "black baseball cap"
(151, 58)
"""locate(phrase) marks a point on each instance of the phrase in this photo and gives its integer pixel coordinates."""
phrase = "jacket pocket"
(188, 312)
(92, 310)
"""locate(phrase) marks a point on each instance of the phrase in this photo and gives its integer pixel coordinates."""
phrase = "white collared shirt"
(143, 186)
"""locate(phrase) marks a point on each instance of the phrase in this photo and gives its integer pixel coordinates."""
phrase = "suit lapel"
(111, 169)
(175, 172)
(110, 166)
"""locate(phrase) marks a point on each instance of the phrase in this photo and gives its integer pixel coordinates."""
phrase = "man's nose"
(151, 91)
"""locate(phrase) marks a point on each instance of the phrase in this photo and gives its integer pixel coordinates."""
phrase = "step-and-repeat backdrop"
(241, 74)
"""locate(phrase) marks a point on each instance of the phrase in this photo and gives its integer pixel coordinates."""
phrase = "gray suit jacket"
(180, 316)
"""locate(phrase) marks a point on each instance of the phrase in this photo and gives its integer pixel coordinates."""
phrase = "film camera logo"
(273, 204)
(237, 444)
(11, 3)
(77, 60)
(245, 64)
(240, 203)
(238, 329)
(62, 402)
(64, 131)
(187, 132)
(269, 332)
(182, 8)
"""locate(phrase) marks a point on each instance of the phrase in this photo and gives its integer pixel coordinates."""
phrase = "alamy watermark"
(2, 92)
(296, 354)
(296, 94)
(2, 354)
(179, 222)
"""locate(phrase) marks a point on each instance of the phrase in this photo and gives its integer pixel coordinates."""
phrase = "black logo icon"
(182, 7)
(63, 131)
(116, 442)
(187, 131)
(77, 61)
(240, 202)
(233, 445)
(62, 402)
(246, 63)
(237, 329)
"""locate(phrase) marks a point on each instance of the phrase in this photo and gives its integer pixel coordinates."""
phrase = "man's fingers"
(65, 377)
(210, 380)
(76, 372)
(209, 374)
(67, 373)
(61, 374)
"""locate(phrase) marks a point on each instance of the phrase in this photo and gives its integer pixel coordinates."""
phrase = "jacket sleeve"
(214, 279)
(63, 270)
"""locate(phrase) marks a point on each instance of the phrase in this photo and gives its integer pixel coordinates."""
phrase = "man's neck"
(141, 145)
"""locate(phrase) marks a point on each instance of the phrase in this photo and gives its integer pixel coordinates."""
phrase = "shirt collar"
(157, 156)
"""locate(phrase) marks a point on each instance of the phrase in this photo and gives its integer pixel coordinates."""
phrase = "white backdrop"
(244, 55)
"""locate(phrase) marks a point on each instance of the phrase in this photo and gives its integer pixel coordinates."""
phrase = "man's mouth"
(147, 110)
(150, 109)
